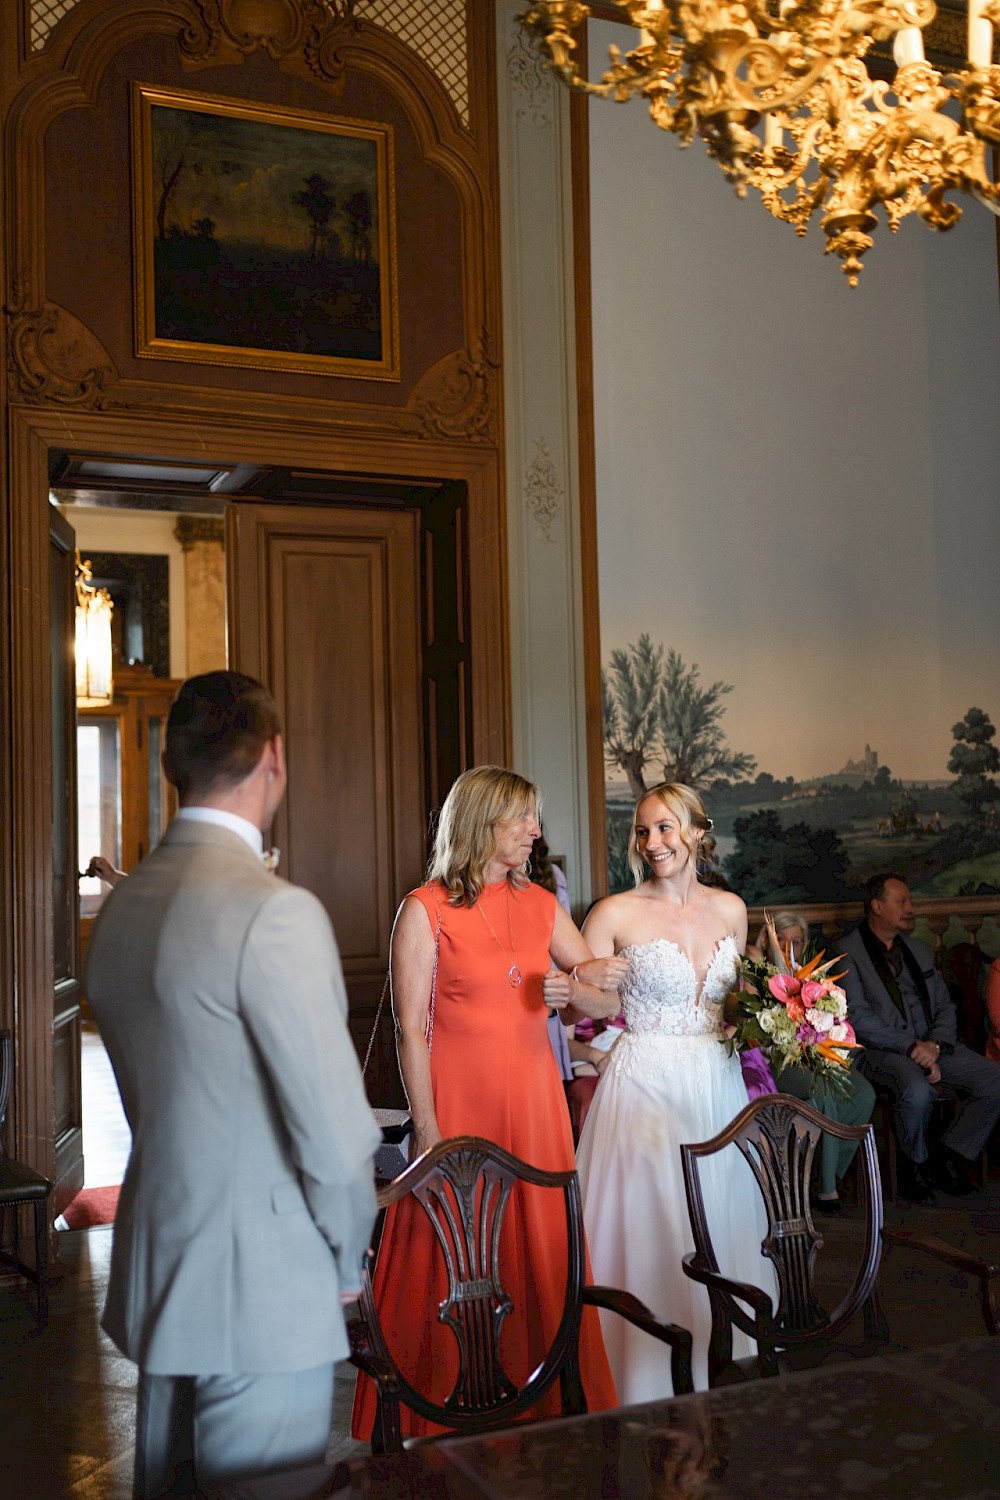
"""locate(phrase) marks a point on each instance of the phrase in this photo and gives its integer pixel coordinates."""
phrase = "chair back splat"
(465, 1186)
(466, 1199)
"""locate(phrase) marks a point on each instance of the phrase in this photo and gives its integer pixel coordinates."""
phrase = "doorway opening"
(213, 566)
(152, 536)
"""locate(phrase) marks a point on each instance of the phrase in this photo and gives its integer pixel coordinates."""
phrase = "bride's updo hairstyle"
(693, 824)
(465, 840)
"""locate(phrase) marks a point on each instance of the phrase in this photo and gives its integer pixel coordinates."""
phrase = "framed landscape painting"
(264, 236)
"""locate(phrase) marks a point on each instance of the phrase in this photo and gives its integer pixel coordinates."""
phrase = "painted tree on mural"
(658, 714)
(788, 862)
(629, 693)
(974, 759)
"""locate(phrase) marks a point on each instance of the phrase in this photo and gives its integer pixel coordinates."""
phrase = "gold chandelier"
(780, 93)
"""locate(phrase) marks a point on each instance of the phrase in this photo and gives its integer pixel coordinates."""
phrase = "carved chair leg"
(386, 1434)
(680, 1369)
(574, 1402)
(720, 1345)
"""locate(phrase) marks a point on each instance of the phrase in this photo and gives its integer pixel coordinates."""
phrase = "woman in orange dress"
(486, 1069)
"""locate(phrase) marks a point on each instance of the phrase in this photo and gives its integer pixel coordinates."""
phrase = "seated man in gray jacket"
(904, 1017)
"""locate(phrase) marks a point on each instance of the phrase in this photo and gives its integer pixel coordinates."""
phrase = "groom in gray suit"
(249, 1198)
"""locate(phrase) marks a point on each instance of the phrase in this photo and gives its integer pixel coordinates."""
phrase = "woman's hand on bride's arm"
(573, 999)
(593, 985)
(602, 973)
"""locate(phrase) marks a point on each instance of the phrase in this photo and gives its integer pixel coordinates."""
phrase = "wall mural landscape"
(785, 838)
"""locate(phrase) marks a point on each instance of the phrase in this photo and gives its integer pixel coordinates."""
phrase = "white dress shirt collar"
(232, 821)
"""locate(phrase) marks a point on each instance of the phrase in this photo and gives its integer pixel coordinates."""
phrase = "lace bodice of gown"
(661, 995)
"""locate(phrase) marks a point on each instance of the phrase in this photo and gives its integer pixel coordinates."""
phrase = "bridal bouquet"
(794, 1015)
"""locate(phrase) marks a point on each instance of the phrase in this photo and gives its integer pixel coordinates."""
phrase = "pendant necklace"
(514, 975)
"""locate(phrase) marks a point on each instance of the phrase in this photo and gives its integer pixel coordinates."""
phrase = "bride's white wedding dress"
(668, 1080)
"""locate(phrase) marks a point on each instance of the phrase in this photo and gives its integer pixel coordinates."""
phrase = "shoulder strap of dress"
(385, 990)
(434, 975)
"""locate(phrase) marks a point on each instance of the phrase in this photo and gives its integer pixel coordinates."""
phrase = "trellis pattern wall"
(435, 30)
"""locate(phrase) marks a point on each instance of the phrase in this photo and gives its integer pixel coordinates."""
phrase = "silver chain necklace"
(514, 974)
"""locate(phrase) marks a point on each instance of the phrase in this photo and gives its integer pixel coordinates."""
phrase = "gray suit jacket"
(874, 1014)
(249, 1196)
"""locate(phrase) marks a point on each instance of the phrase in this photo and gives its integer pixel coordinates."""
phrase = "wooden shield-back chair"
(778, 1136)
(464, 1186)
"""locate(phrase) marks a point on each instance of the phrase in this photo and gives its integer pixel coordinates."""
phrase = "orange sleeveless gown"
(493, 1074)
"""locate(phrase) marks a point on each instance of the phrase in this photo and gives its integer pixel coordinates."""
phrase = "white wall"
(797, 484)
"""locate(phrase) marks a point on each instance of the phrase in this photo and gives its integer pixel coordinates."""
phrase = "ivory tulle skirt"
(657, 1092)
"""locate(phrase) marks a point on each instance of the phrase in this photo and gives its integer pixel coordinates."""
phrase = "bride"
(668, 1080)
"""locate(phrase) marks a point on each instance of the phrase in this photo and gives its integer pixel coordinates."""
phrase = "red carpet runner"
(92, 1206)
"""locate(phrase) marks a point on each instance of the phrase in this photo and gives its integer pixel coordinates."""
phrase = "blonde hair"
(787, 916)
(693, 823)
(465, 840)
(783, 919)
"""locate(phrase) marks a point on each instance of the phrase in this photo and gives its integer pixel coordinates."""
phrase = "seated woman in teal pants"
(853, 1107)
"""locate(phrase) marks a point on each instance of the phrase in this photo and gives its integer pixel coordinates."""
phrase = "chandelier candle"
(980, 35)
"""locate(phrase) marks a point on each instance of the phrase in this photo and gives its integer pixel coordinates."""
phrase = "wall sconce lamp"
(93, 639)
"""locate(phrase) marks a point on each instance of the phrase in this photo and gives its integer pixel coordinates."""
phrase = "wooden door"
(323, 607)
(65, 920)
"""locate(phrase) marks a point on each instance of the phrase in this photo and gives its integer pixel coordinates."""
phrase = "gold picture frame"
(264, 236)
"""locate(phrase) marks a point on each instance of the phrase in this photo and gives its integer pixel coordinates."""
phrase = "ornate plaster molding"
(457, 397)
(302, 36)
(532, 87)
(542, 490)
(52, 356)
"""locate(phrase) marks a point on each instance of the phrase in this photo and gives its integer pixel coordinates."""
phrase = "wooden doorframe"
(27, 969)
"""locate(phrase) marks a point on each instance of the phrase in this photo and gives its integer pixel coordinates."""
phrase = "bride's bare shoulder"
(730, 908)
(620, 900)
(606, 917)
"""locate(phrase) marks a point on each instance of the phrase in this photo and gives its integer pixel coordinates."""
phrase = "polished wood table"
(914, 1425)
